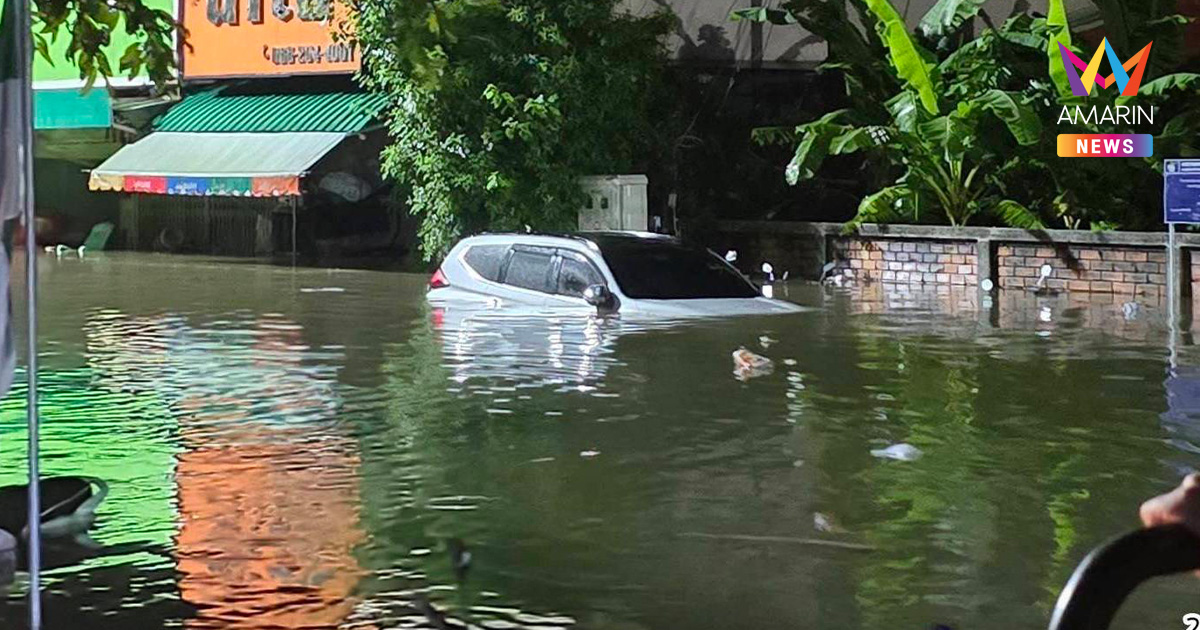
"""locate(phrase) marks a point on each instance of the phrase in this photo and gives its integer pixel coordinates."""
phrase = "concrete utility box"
(615, 202)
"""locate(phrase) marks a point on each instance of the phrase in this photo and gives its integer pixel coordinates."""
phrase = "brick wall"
(914, 262)
(1113, 266)
(1079, 268)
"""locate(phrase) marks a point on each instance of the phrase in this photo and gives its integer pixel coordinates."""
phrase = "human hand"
(1180, 506)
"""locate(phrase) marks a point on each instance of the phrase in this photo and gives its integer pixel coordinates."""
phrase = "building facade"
(76, 129)
(273, 148)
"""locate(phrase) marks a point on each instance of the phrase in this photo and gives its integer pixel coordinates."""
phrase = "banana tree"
(951, 121)
(936, 147)
(943, 167)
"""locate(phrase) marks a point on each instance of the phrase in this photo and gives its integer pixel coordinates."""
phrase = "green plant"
(939, 157)
(89, 25)
(982, 150)
(498, 106)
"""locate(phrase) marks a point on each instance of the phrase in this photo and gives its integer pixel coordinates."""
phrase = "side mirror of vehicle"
(600, 297)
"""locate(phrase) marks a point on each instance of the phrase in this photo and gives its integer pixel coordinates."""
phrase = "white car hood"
(709, 307)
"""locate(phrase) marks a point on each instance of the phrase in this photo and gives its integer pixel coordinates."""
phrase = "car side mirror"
(600, 297)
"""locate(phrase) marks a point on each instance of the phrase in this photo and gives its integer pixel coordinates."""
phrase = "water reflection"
(560, 353)
(267, 509)
(289, 458)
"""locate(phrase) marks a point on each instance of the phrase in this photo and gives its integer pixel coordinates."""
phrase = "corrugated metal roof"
(171, 154)
(219, 111)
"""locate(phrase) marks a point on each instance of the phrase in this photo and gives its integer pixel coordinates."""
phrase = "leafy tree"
(89, 25)
(957, 122)
(498, 106)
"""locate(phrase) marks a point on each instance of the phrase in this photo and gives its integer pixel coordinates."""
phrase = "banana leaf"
(762, 14)
(1061, 30)
(1021, 119)
(1164, 85)
(892, 204)
(817, 137)
(905, 54)
(1016, 215)
(947, 16)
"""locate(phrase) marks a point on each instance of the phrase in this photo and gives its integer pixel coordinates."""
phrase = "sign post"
(1181, 204)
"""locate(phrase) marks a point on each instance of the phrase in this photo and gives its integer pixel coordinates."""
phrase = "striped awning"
(230, 108)
(220, 164)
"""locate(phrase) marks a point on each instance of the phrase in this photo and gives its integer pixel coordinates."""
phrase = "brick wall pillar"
(985, 261)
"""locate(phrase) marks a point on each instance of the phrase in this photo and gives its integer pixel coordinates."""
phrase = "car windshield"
(664, 270)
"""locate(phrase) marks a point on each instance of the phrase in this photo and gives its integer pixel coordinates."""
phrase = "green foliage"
(947, 16)
(983, 151)
(498, 106)
(1060, 35)
(908, 59)
(938, 159)
(90, 24)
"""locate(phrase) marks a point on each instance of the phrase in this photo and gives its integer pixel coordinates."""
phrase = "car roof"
(597, 239)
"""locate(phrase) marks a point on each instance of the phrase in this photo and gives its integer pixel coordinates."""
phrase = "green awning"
(226, 110)
(72, 109)
(220, 164)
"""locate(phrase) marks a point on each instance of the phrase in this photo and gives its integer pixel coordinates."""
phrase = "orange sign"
(248, 38)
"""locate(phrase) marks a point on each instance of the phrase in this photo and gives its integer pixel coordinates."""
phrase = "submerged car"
(630, 273)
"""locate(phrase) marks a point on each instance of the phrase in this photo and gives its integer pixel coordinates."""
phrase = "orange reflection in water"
(269, 512)
(267, 534)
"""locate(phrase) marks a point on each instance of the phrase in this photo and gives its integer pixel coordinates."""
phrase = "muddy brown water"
(302, 449)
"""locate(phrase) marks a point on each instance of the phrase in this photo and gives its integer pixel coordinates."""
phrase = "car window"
(576, 274)
(529, 270)
(486, 260)
(657, 270)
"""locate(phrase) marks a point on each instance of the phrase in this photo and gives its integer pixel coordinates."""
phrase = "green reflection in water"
(80, 422)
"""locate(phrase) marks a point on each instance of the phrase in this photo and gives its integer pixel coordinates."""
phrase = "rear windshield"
(657, 270)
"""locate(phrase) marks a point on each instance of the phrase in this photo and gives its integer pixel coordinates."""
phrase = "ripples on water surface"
(301, 449)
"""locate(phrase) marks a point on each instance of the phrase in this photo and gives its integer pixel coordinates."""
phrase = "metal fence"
(225, 226)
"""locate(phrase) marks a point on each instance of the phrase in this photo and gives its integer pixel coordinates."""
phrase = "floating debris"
(1131, 310)
(747, 365)
(815, 542)
(899, 452)
(766, 341)
(322, 290)
(589, 453)
(825, 524)
(460, 558)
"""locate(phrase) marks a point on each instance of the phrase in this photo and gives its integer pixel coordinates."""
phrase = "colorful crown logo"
(1082, 86)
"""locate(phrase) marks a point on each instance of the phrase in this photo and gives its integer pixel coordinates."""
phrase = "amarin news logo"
(1082, 86)
(1128, 79)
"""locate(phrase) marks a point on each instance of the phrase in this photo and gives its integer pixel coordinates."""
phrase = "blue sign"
(1181, 191)
(187, 185)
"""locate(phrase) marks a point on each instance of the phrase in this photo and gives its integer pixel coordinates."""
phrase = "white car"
(639, 275)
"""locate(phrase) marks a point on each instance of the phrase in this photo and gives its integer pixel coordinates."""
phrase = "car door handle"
(1113, 570)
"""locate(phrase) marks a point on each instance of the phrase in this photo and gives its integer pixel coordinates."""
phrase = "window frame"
(551, 268)
(501, 267)
(561, 255)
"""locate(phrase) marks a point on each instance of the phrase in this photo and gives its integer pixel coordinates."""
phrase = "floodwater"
(307, 448)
